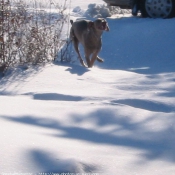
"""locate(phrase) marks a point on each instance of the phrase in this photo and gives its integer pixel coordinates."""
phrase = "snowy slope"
(115, 118)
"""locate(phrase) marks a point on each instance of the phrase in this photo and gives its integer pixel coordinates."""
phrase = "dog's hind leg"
(76, 43)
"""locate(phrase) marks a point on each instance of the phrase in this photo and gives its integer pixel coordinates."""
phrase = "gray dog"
(88, 33)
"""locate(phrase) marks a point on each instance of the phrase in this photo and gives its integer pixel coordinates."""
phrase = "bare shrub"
(30, 33)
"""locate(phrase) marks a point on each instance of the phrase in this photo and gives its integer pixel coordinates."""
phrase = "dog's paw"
(100, 60)
(83, 63)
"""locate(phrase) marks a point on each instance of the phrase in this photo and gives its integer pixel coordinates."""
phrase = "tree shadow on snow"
(47, 162)
(146, 104)
(20, 74)
(54, 97)
(155, 144)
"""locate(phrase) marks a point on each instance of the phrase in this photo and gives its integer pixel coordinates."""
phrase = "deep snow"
(115, 118)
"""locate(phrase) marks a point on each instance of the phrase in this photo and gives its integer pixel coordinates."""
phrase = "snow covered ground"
(115, 118)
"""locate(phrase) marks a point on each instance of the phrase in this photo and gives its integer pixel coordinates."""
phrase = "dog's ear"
(107, 27)
(71, 21)
(90, 24)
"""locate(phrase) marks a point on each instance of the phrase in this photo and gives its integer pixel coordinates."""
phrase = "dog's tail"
(71, 21)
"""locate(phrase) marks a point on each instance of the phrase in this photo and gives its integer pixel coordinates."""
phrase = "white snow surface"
(117, 118)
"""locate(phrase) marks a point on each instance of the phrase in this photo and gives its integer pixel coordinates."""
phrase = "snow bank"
(99, 11)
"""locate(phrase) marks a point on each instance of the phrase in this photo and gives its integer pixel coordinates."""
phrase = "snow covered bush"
(30, 34)
(102, 10)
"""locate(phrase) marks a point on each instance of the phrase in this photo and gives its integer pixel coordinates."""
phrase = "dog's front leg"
(87, 56)
(93, 58)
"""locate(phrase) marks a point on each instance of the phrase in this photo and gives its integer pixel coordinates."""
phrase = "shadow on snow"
(155, 144)
(50, 163)
(146, 104)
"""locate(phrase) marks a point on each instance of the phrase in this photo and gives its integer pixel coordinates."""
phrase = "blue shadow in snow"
(146, 104)
(159, 146)
(74, 69)
(54, 97)
(49, 163)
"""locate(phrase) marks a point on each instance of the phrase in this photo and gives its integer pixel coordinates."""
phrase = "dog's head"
(99, 24)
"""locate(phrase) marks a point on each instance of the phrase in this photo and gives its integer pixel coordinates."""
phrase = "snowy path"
(80, 120)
